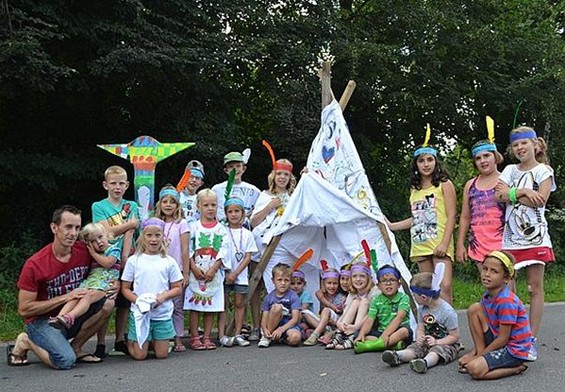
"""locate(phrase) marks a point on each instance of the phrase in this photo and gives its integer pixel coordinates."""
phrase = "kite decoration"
(144, 153)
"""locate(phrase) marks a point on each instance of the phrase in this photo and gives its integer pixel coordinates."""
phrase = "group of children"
(200, 247)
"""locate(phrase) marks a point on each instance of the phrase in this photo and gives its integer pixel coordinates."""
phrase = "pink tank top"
(487, 222)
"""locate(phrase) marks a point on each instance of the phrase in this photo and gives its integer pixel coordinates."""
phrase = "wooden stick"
(326, 79)
(344, 100)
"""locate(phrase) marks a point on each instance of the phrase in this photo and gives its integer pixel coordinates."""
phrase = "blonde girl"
(525, 188)
(150, 281)
(433, 206)
(205, 291)
(177, 237)
(482, 215)
(357, 304)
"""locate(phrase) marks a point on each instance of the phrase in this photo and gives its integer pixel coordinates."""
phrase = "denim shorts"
(55, 341)
(500, 358)
(158, 330)
(236, 288)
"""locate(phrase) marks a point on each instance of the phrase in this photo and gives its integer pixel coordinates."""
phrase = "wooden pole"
(344, 100)
(326, 79)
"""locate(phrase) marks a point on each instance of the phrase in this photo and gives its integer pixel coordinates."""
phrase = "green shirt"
(384, 309)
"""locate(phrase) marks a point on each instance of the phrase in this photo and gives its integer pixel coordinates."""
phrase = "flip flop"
(11, 358)
(462, 369)
(94, 359)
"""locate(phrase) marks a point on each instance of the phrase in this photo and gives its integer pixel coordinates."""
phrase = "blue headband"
(361, 268)
(523, 135)
(234, 200)
(425, 150)
(169, 192)
(388, 270)
(195, 172)
(153, 222)
(483, 147)
(427, 292)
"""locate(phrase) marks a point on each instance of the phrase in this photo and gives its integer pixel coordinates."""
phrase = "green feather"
(374, 262)
(229, 185)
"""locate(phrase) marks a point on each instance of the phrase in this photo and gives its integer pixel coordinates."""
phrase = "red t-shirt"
(43, 274)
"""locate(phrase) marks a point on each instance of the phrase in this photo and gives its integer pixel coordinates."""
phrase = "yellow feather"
(490, 129)
(428, 135)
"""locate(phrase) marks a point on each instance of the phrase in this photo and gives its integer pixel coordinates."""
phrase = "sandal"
(62, 321)
(15, 359)
(208, 344)
(179, 348)
(346, 344)
(336, 340)
(312, 339)
(462, 369)
(196, 344)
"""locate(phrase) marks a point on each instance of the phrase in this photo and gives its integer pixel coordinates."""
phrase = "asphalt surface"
(281, 368)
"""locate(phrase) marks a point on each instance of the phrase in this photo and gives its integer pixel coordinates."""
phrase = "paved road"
(280, 368)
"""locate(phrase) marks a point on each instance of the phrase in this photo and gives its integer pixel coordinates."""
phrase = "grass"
(467, 290)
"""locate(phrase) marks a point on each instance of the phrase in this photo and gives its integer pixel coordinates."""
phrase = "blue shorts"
(236, 288)
(55, 341)
(500, 358)
(158, 330)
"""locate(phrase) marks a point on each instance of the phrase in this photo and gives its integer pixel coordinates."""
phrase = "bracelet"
(512, 195)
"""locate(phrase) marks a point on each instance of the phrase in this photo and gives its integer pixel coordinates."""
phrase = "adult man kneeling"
(49, 279)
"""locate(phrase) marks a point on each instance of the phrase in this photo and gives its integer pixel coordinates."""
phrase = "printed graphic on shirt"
(424, 215)
(433, 328)
(207, 246)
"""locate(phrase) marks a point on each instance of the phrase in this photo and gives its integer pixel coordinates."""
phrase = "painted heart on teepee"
(328, 153)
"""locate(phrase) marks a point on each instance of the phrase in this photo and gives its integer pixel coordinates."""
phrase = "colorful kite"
(144, 153)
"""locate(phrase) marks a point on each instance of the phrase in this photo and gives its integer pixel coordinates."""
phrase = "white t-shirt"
(238, 243)
(244, 190)
(188, 204)
(262, 231)
(153, 274)
(526, 227)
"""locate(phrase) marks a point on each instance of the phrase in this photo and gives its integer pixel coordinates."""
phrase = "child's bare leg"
(406, 355)
(239, 303)
(121, 323)
(274, 317)
(194, 318)
(478, 369)
(310, 321)
(534, 274)
(362, 310)
(477, 326)
(84, 303)
(136, 352)
(222, 317)
(446, 283)
(349, 316)
(161, 348)
(324, 320)
(398, 336)
(208, 322)
(69, 306)
(426, 265)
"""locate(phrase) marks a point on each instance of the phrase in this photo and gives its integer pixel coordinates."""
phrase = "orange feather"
(183, 181)
(303, 259)
(271, 152)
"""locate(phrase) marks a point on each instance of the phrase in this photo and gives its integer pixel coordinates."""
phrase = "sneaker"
(227, 341)
(240, 341)
(533, 353)
(391, 357)
(120, 348)
(419, 365)
(264, 342)
(255, 335)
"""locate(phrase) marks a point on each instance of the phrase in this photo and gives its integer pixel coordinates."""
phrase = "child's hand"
(90, 248)
(274, 203)
(335, 308)
(198, 273)
(76, 294)
(440, 250)
(348, 328)
(534, 198)
(231, 277)
(185, 278)
(430, 340)
(277, 333)
(209, 275)
(159, 299)
(421, 340)
(461, 255)
(360, 338)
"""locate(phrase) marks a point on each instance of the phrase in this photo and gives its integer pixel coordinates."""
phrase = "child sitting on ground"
(104, 270)
(388, 321)
(332, 302)
(281, 311)
(499, 324)
(437, 335)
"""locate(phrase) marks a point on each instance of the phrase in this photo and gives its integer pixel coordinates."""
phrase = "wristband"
(512, 195)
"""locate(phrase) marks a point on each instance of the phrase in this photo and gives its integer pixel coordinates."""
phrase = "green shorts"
(158, 330)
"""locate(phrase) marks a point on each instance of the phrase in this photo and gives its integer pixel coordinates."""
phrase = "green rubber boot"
(370, 346)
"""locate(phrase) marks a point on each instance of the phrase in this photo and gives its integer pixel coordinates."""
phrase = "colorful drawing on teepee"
(144, 153)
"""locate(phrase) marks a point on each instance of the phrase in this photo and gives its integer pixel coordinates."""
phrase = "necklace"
(238, 251)
(167, 232)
